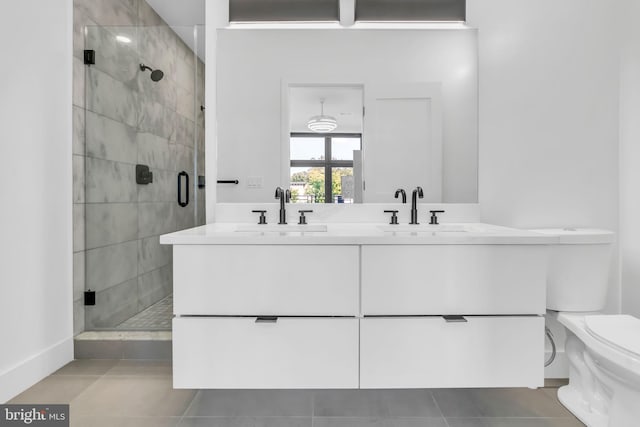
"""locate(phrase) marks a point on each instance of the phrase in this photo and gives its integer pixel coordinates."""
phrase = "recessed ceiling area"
(283, 10)
(182, 16)
(345, 11)
(343, 103)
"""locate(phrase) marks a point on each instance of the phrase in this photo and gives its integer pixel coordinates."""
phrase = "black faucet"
(284, 196)
(414, 204)
(404, 195)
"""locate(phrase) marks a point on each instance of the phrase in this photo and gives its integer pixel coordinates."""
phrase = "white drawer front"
(428, 352)
(266, 280)
(239, 353)
(453, 279)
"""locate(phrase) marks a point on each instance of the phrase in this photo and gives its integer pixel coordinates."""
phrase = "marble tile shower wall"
(121, 118)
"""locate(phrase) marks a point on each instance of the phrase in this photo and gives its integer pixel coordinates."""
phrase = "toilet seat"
(621, 332)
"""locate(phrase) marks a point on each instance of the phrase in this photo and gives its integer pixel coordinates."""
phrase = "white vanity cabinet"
(290, 352)
(266, 316)
(497, 292)
(453, 279)
(278, 280)
(358, 308)
(429, 352)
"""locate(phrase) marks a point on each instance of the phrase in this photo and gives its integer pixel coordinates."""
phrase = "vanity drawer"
(285, 280)
(453, 279)
(237, 352)
(428, 352)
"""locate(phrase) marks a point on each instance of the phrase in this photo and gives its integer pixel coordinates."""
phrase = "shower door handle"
(180, 202)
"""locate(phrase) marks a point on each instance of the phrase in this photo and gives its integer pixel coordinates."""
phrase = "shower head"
(156, 75)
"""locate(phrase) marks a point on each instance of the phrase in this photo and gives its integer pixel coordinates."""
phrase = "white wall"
(36, 334)
(254, 63)
(630, 160)
(217, 16)
(549, 81)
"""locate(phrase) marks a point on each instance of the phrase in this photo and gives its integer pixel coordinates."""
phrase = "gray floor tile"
(56, 389)
(252, 403)
(378, 422)
(141, 367)
(124, 422)
(514, 422)
(411, 403)
(137, 393)
(132, 396)
(515, 402)
(217, 422)
(246, 422)
(87, 367)
(375, 403)
(350, 403)
(552, 393)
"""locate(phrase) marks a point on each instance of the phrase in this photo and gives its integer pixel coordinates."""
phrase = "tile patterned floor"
(156, 317)
(129, 393)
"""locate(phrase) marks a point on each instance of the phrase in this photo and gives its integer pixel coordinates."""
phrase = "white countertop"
(356, 234)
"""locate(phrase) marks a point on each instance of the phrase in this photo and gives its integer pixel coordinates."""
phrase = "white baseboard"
(28, 372)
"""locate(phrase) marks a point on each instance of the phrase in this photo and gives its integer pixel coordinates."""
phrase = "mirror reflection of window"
(325, 142)
(322, 167)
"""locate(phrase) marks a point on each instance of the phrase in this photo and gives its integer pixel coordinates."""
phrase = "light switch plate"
(255, 181)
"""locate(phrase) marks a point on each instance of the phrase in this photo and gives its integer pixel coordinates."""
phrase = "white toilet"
(603, 350)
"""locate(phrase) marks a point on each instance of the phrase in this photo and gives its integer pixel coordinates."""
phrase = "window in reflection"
(321, 169)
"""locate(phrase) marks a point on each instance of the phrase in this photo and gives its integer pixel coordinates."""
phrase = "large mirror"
(401, 108)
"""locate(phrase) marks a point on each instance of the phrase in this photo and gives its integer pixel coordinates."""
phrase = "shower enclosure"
(144, 154)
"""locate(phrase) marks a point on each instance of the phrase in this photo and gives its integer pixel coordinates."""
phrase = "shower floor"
(156, 317)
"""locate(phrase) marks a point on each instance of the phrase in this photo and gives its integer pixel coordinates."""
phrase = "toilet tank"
(578, 271)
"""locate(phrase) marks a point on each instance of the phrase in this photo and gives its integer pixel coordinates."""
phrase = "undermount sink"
(426, 228)
(284, 228)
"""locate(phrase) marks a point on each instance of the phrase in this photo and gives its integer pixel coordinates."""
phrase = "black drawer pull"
(454, 319)
(266, 319)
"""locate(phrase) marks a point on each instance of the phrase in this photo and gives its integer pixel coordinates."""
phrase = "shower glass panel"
(144, 151)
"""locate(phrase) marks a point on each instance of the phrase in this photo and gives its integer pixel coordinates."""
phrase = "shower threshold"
(146, 335)
(146, 345)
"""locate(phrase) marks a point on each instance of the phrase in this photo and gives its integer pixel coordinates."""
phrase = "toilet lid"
(620, 331)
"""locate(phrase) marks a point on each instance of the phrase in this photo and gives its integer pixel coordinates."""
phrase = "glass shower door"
(144, 139)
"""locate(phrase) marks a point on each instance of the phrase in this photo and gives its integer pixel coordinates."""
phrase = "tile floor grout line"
(184, 414)
(512, 418)
(435, 401)
(89, 386)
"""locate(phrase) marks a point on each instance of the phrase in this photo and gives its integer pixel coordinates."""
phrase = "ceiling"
(343, 103)
(182, 16)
